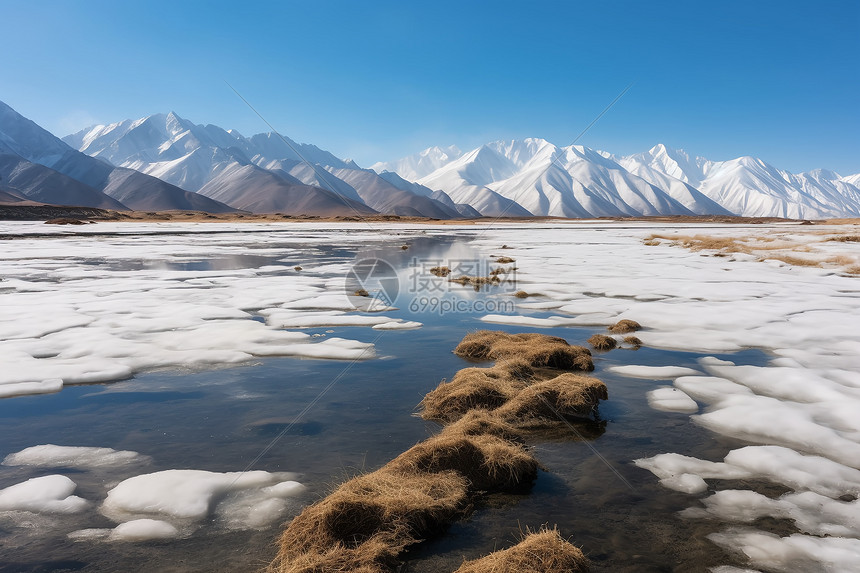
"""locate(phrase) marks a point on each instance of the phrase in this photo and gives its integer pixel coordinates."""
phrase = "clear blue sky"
(379, 80)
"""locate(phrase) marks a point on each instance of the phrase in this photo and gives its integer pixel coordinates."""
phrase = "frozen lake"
(203, 348)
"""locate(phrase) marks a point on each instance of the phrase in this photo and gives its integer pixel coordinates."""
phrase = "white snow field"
(801, 412)
(80, 310)
(77, 310)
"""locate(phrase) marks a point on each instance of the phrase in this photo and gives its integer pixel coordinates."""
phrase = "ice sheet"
(46, 494)
(53, 456)
(80, 309)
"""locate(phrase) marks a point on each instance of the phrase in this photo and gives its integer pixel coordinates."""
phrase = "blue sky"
(379, 80)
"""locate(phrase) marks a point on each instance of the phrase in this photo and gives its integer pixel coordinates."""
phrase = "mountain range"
(164, 162)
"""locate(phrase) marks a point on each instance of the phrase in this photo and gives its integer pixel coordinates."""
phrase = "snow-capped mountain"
(266, 172)
(751, 187)
(533, 176)
(421, 164)
(48, 170)
(164, 162)
(510, 177)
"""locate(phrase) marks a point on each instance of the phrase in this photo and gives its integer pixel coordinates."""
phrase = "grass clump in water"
(624, 326)
(545, 552)
(602, 342)
(538, 350)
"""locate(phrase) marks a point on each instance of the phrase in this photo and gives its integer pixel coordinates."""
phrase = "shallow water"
(224, 419)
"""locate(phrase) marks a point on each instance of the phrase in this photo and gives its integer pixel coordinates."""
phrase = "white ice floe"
(137, 530)
(811, 512)
(652, 372)
(774, 463)
(143, 530)
(277, 318)
(191, 495)
(796, 553)
(53, 456)
(398, 325)
(668, 399)
(48, 386)
(46, 494)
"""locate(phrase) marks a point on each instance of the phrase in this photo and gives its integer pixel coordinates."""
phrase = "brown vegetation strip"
(544, 552)
(367, 522)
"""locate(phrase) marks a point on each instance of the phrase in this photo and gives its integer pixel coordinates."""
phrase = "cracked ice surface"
(111, 300)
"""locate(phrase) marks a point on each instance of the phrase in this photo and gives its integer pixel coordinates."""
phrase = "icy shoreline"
(76, 312)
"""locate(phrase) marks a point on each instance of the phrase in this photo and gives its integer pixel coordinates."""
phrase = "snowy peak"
(418, 165)
(673, 162)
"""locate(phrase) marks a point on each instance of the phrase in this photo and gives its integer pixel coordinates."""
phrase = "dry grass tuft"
(482, 422)
(404, 247)
(846, 239)
(633, 341)
(489, 463)
(522, 294)
(361, 292)
(369, 520)
(440, 271)
(624, 326)
(297, 268)
(538, 350)
(602, 342)
(567, 395)
(476, 389)
(470, 389)
(853, 270)
(544, 552)
(505, 260)
(793, 261)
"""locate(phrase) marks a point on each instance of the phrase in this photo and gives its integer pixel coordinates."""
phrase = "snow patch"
(52, 456)
(46, 494)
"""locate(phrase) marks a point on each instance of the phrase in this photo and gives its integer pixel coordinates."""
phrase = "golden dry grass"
(542, 552)
(538, 350)
(488, 463)
(476, 389)
(505, 260)
(633, 341)
(522, 294)
(624, 326)
(602, 342)
(783, 247)
(565, 396)
(369, 520)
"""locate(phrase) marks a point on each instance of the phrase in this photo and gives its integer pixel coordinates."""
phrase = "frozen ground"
(97, 309)
(801, 411)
